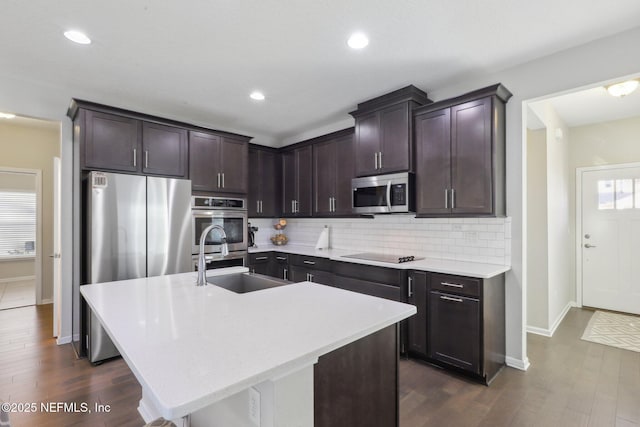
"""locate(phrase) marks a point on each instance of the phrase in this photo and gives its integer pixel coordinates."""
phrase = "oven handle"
(389, 195)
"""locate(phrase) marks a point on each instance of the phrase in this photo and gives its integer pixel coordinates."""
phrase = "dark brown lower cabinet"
(454, 323)
(417, 324)
(465, 324)
(357, 385)
(261, 263)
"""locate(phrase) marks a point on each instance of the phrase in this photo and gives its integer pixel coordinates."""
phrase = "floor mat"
(616, 330)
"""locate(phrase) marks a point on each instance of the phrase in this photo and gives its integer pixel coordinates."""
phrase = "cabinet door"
(164, 150)
(288, 182)
(111, 142)
(304, 172)
(433, 162)
(395, 139)
(260, 263)
(204, 158)
(298, 274)
(472, 155)
(367, 144)
(255, 182)
(454, 330)
(271, 182)
(344, 174)
(234, 159)
(324, 177)
(417, 325)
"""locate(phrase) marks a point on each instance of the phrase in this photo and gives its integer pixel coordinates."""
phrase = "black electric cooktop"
(393, 259)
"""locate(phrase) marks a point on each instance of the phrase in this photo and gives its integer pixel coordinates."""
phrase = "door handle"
(218, 179)
(222, 179)
(146, 159)
(135, 155)
(446, 198)
(588, 246)
(380, 159)
(410, 292)
(375, 160)
(389, 195)
(453, 198)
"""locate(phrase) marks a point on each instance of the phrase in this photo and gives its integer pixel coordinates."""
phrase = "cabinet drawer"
(260, 258)
(310, 262)
(281, 258)
(368, 288)
(384, 275)
(455, 284)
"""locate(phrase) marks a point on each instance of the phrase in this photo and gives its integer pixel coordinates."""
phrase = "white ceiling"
(588, 106)
(198, 60)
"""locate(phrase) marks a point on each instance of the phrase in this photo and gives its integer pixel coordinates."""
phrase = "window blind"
(17, 223)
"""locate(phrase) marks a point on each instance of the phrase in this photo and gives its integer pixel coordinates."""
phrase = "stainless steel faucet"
(224, 250)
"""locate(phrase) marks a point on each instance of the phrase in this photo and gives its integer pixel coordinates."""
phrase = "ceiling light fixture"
(258, 96)
(358, 41)
(7, 116)
(77, 36)
(622, 89)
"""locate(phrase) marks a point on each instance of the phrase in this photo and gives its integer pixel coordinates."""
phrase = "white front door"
(610, 239)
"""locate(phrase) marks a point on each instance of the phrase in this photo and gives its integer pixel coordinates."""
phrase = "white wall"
(585, 65)
(537, 231)
(561, 259)
(605, 143)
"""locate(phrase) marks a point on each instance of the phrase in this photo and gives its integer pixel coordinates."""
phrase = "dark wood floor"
(570, 383)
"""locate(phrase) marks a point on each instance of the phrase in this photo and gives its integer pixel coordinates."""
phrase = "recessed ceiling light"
(258, 96)
(7, 116)
(358, 41)
(77, 36)
(622, 89)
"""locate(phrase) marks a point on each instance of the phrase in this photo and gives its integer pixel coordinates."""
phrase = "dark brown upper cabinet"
(297, 181)
(333, 169)
(124, 144)
(383, 132)
(265, 179)
(460, 155)
(111, 141)
(218, 163)
(164, 150)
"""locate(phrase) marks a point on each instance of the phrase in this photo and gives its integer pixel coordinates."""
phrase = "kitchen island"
(209, 356)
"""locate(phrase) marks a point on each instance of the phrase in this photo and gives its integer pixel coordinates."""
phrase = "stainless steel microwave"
(393, 193)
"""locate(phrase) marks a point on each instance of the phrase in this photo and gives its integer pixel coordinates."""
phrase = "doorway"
(20, 236)
(608, 237)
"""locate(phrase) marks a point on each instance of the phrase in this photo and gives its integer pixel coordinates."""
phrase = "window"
(17, 224)
(619, 194)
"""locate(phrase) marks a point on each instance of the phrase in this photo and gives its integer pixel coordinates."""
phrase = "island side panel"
(357, 385)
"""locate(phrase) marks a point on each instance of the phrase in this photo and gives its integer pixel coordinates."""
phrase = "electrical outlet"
(254, 406)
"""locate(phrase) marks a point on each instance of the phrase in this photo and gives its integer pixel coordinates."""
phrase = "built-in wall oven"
(231, 214)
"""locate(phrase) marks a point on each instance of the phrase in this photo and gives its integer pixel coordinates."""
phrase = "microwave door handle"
(389, 195)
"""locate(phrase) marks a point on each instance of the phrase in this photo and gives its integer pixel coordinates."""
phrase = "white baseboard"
(63, 340)
(558, 321)
(17, 279)
(512, 362)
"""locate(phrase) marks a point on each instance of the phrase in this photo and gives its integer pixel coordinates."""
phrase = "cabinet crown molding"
(405, 94)
(497, 90)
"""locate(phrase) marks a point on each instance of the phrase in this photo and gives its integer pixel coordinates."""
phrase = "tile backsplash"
(485, 240)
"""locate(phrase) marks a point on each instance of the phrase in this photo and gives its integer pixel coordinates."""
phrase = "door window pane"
(637, 193)
(624, 193)
(605, 194)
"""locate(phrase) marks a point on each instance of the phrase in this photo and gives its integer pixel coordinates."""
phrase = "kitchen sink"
(241, 283)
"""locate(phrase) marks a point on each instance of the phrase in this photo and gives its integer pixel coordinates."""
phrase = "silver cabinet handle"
(281, 258)
(218, 179)
(587, 245)
(261, 210)
(453, 198)
(334, 204)
(259, 258)
(389, 195)
(309, 262)
(452, 285)
(135, 156)
(310, 277)
(330, 205)
(297, 206)
(258, 206)
(410, 293)
(375, 160)
(146, 158)
(451, 299)
(293, 206)
(446, 198)
(222, 179)
(380, 159)
(285, 274)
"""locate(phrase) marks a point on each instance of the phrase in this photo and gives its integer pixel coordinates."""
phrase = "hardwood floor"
(570, 383)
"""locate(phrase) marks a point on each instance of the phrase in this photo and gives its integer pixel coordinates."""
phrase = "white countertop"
(446, 266)
(191, 346)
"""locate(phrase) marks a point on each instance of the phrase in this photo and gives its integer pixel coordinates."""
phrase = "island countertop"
(192, 346)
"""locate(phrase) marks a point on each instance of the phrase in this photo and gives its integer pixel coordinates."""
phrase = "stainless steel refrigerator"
(137, 226)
